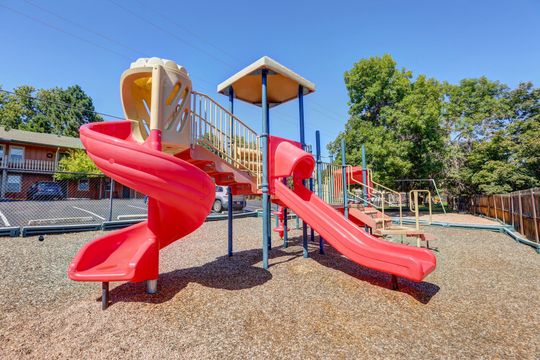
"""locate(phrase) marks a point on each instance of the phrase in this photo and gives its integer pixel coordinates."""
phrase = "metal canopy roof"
(282, 84)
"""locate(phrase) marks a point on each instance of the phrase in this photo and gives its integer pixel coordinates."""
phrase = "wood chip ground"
(482, 301)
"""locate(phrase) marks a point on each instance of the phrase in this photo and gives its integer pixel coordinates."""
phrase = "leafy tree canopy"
(477, 136)
(56, 111)
(76, 165)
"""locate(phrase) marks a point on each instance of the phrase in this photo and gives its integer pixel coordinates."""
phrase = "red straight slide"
(347, 238)
(364, 249)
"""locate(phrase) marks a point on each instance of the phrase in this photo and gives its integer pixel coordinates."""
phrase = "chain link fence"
(60, 200)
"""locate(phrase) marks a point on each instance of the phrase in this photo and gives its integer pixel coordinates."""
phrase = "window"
(14, 183)
(84, 185)
(1, 152)
(16, 154)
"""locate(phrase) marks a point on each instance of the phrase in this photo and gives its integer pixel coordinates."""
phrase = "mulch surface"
(482, 301)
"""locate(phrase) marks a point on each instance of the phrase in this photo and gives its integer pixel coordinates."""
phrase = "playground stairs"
(241, 182)
(381, 224)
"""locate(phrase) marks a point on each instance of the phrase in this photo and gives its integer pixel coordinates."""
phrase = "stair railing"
(221, 132)
(414, 206)
(351, 180)
(331, 183)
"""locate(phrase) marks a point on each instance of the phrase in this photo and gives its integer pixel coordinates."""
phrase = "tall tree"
(396, 117)
(58, 111)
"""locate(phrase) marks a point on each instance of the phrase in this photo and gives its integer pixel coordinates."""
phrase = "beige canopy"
(282, 84)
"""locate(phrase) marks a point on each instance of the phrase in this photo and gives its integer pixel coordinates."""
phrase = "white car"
(222, 200)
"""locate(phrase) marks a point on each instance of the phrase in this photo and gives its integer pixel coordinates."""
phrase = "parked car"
(45, 190)
(222, 200)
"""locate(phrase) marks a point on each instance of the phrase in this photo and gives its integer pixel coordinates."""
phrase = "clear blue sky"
(448, 40)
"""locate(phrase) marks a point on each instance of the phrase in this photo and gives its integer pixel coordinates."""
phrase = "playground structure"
(177, 143)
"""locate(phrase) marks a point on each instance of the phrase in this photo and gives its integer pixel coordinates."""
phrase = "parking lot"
(76, 211)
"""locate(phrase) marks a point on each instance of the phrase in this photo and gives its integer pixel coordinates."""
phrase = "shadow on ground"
(230, 273)
(420, 291)
(240, 272)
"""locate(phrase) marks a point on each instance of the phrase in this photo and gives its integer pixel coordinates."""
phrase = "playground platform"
(480, 303)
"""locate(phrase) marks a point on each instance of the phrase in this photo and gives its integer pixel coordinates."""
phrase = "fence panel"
(30, 198)
(521, 209)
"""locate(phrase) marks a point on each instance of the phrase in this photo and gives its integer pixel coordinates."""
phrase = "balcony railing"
(29, 165)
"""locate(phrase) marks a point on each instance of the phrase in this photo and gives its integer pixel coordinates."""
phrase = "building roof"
(282, 84)
(29, 137)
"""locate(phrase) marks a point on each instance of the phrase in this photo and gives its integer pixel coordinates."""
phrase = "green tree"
(477, 136)
(491, 137)
(18, 108)
(397, 118)
(57, 111)
(76, 165)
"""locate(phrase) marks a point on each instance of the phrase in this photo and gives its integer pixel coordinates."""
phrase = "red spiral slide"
(181, 196)
(364, 249)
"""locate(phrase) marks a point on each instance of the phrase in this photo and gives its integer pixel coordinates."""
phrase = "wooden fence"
(521, 209)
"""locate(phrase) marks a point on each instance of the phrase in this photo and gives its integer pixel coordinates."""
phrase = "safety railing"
(415, 208)
(221, 132)
(29, 165)
(377, 191)
(331, 183)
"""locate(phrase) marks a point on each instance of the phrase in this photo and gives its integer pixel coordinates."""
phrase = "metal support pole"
(344, 179)
(111, 190)
(285, 235)
(319, 179)
(104, 295)
(229, 192)
(264, 183)
(311, 231)
(270, 224)
(331, 181)
(364, 176)
(151, 286)
(303, 142)
(439, 195)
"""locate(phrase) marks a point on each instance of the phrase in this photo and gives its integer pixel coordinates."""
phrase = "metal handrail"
(225, 134)
(400, 202)
(331, 190)
(413, 205)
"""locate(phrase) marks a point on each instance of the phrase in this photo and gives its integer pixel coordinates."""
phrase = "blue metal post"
(269, 219)
(303, 142)
(230, 196)
(319, 180)
(344, 176)
(285, 221)
(311, 231)
(285, 235)
(331, 185)
(364, 175)
(264, 183)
